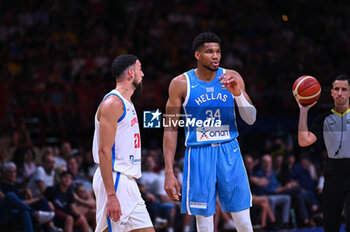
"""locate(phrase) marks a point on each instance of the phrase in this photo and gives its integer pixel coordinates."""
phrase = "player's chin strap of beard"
(246, 110)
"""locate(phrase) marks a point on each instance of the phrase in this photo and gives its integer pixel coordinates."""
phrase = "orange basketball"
(306, 89)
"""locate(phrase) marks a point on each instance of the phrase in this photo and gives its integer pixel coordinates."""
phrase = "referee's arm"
(305, 137)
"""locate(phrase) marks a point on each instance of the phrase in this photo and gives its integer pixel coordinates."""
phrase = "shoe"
(44, 216)
(160, 223)
(55, 229)
(229, 225)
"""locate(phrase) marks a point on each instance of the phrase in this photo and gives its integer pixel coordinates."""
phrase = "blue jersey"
(209, 111)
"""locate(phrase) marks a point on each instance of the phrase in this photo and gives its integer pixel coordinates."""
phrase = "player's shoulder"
(180, 78)
(112, 101)
(111, 104)
(178, 85)
(179, 81)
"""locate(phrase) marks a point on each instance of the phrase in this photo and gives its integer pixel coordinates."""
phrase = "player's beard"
(138, 86)
(210, 69)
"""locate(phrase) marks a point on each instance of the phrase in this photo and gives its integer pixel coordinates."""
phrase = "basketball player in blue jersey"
(213, 161)
(117, 150)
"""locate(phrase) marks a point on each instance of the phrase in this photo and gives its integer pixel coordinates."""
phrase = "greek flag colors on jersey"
(205, 106)
(126, 150)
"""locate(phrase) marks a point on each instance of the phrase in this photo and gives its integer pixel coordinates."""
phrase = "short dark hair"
(121, 63)
(205, 37)
(342, 77)
(65, 173)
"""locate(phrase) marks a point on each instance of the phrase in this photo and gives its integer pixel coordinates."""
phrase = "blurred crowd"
(54, 70)
(56, 55)
(47, 189)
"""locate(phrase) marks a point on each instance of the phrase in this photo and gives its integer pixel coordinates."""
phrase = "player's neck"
(125, 91)
(205, 74)
(341, 108)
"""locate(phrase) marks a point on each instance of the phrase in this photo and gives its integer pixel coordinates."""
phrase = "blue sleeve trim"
(123, 116)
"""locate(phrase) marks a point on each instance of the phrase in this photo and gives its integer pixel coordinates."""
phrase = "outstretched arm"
(235, 84)
(173, 107)
(109, 113)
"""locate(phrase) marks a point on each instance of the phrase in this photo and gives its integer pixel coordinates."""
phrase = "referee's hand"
(170, 185)
(305, 107)
(114, 211)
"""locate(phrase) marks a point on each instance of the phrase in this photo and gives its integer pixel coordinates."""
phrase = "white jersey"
(126, 150)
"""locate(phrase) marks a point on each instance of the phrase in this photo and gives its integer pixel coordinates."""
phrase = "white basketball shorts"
(134, 212)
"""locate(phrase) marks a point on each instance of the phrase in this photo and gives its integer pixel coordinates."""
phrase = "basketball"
(306, 89)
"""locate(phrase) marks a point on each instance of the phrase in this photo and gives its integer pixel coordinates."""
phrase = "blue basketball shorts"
(211, 171)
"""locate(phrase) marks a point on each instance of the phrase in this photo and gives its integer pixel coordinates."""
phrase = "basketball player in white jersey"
(117, 150)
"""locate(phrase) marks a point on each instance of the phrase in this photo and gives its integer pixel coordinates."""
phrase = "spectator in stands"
(43, 176)
(291, 188)
(65, 153)
(285, 166)
(8, 185)
(24, 158)
(300, 172)
(13, 211)
(88, 165)
(86, 203)
(260, 182)
(260, 202)
(277, 163)
(67, 214)
(66, 150)
(160, 207)
(73, 167)
(153, 207)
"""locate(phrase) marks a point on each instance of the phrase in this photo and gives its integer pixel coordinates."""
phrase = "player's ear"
(131, 74)
(196, 55)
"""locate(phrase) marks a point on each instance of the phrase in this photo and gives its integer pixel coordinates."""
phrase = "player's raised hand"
(114, 211)
(231, 82)
(170, 185)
